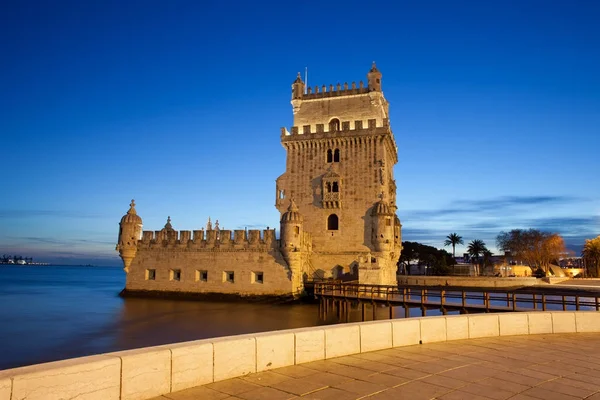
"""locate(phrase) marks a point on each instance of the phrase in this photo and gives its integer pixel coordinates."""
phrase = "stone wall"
(149, 372)
(245, 265)
(466, 281)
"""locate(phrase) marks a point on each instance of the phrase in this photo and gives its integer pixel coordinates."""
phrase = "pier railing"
(458, 298)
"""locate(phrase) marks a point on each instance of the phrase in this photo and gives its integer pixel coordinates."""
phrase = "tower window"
(297, 230)
(328, 187)
(228, 276)
(201, 276)
(336, 155)
(332, 222)
(150, 274)
(329, 155)
(175, 275)
(334, 125)
(335, 187)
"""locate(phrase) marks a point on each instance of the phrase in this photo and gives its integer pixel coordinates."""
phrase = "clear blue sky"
(495, 106)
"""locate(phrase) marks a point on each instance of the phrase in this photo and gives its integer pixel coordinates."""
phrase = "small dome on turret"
(292, 214)
(298, 79)
(381, 208)
(168, 226)
(374, 68)
(131, 216)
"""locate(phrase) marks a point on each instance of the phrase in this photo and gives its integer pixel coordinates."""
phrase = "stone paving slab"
(548, 367)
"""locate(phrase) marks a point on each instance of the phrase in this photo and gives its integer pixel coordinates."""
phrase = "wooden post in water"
(534, 302)
(597, 303)
(576, 302)
(464, 299)
(391, 311)
(507, 299)
(564, 303)
(362, 313)
(543, 302)
(514, 301)
(374, 306)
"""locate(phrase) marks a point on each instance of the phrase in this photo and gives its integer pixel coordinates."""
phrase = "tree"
(591, 255)
(436, 260)
(452, 240)
(532, 247)
(475, 249)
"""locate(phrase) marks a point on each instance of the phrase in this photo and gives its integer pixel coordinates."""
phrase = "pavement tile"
(444, 381)
(560, 387)
(199, 392)
(232, 387)
(469, 373)
(545, 394)
(361, 387)
(266, 393)
(331, 394)
(460, 395)
(327, 378)
(487, 391)
(416, 390)
(296, 371)
(299, 386)
(504, 384)
(386, 380)
(407, 373)
(267, 378)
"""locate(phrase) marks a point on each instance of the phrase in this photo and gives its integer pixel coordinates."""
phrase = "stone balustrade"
(149, 372)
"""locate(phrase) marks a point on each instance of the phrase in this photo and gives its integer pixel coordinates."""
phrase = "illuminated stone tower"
(339, 171)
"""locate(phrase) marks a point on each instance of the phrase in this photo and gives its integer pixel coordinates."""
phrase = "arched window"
(335, 187)
(328, 187)
(332, 222)
(329, 156)
(336, 155)
(334, 125)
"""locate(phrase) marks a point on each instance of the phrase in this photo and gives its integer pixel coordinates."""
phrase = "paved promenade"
(557, 366)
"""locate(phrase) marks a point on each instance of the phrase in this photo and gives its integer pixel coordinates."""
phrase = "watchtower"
(339, 170)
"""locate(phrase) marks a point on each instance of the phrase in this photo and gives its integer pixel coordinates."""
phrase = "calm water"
(52, 312)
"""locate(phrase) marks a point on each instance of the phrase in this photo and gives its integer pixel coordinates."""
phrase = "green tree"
(475, 249)
(452, 240)
(436, 260)
(591, 255)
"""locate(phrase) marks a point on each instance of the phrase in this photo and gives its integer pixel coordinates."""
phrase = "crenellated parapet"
(209, 240)
(369, 126)
(335, 91)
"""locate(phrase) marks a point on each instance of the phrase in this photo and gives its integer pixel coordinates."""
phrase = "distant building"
(337, 201)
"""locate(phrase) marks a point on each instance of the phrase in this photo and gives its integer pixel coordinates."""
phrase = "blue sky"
(495, 106)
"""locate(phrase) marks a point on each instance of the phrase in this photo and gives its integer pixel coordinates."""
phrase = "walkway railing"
(454, 298)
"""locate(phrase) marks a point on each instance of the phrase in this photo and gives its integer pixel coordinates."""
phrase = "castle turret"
(297, 88)
(374, 79)
(383, 227)
(130, 231)
(291, 230)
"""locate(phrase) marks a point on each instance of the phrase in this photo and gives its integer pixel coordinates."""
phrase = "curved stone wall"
(148, 372)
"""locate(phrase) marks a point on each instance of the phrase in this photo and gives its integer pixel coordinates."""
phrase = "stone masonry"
(337, 199)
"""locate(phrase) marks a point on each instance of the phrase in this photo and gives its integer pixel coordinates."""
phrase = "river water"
(49, 313)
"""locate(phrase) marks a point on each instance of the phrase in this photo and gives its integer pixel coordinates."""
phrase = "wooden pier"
(340, 297)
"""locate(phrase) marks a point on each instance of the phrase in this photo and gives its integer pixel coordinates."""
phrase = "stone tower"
(130, 231)
(339, 170)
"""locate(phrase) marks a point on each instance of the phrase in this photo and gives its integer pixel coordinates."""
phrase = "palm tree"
(452, 240)
(591, 255)
(475, 249)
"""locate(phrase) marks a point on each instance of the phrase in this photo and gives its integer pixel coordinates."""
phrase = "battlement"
(346, 126)
(202, 240)
(335, 91)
